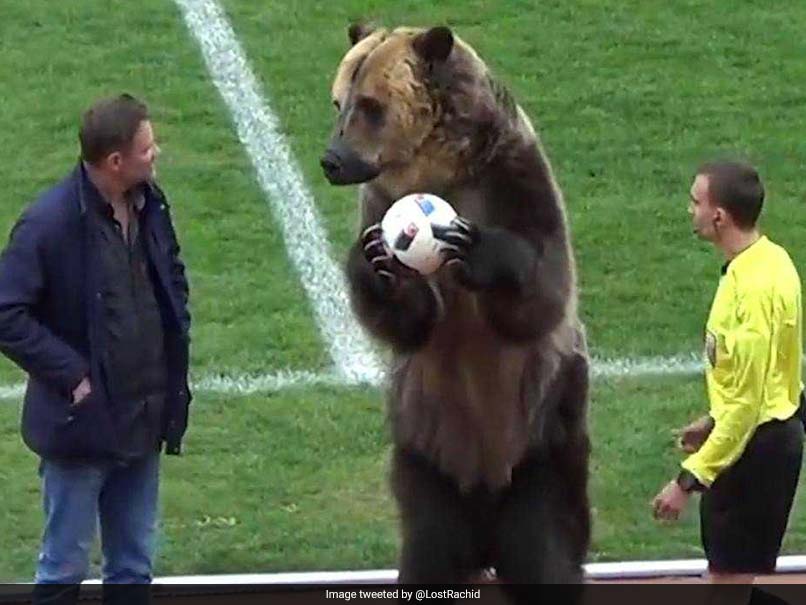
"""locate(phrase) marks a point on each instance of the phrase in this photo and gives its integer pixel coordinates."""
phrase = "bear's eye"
(371, 108)
(336, 104)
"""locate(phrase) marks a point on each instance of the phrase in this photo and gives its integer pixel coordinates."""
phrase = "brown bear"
(489, 376)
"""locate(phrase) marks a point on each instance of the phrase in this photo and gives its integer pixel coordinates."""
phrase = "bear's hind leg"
(534, 554)
(544, 528)
(438, 535)
(536, 541)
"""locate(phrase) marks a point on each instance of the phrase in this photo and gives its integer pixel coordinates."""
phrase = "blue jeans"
(78, 497)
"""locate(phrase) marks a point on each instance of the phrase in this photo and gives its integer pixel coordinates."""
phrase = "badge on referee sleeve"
(710, 347)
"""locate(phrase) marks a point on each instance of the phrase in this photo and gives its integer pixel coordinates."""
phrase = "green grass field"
(628, 97)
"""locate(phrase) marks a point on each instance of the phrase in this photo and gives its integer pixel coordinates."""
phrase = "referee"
(746, 454)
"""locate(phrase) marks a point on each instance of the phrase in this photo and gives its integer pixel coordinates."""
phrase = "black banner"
(487, 594)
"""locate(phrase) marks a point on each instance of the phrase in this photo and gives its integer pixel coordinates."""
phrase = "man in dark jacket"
(93, 306)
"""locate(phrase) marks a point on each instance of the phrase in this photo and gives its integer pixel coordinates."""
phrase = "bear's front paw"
(485, 258)
(460, 244)
(458, 238)
(385, 266)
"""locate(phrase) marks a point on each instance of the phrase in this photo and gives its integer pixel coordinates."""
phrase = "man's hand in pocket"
(81, 392)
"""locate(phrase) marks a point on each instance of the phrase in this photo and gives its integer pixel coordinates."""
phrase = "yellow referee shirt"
(753, 350)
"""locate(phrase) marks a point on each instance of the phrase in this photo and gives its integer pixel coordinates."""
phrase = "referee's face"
(703, 214)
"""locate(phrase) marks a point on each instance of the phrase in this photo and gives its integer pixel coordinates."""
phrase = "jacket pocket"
(54, 428)
(87, 429)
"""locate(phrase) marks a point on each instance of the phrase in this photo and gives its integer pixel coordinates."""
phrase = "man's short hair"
(736, 187)
(110, 125)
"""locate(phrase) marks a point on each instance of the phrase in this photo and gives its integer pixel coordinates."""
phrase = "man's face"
(704, 216)
(138, 164)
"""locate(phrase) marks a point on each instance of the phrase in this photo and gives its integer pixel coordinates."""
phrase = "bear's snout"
(343, 166)
(331, 165)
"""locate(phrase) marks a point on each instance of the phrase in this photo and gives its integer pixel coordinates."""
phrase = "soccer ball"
(407, 230)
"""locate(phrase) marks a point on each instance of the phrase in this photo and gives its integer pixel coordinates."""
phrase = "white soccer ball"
(408, 234)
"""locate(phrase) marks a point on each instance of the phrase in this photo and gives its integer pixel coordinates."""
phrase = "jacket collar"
(88, 193)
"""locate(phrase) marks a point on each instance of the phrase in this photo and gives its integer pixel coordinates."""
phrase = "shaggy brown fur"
(489, 379)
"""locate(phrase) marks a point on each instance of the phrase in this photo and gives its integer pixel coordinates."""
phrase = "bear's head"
(409, 102)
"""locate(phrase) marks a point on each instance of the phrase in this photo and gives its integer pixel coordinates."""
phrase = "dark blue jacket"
(51, 320)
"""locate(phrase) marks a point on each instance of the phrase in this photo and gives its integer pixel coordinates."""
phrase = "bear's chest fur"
(467, 400)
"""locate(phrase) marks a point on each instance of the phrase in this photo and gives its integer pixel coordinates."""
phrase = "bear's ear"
(434, 45)
(358, 31)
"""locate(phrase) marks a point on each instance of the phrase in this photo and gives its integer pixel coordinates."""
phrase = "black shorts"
(743, 516)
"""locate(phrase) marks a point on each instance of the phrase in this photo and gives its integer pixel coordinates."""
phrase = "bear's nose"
(330, 164)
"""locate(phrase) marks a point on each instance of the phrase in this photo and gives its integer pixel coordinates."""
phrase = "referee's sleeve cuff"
(688, 482)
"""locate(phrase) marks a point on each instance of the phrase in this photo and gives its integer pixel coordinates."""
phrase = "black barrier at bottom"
(487, 594)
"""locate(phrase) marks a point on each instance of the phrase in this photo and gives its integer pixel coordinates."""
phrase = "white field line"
(281, 180)
(677, 365)
(249, 384)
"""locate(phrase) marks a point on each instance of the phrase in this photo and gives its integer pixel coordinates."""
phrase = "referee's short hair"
(736, 187)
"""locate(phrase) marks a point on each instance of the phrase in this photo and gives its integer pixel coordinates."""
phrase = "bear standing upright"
(489, 379)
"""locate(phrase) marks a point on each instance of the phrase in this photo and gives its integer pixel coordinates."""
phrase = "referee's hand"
(670, 502)
(691, 437)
